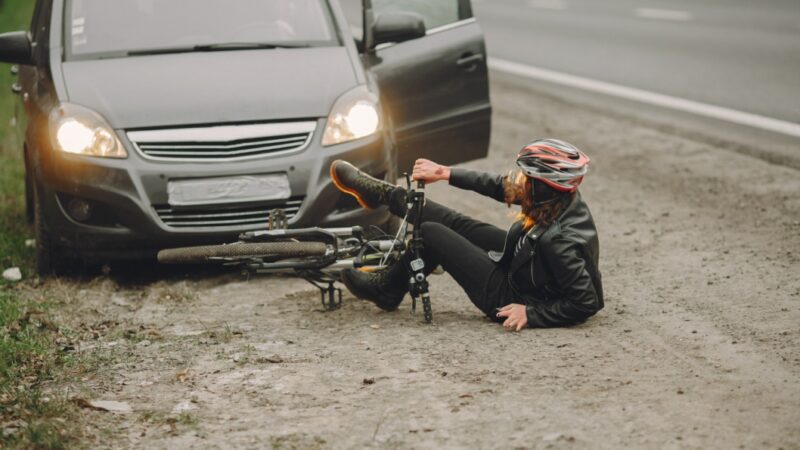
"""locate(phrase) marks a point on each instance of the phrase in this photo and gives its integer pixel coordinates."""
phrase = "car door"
(435, 88)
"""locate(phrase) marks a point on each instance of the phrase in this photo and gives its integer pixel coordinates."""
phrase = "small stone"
(30, 243)
(110, 406)
(12, 274)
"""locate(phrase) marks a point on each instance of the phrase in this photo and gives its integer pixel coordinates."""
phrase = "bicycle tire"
(241, 250)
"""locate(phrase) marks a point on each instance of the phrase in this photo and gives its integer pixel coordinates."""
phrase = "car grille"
(222, 142)
(226, 217)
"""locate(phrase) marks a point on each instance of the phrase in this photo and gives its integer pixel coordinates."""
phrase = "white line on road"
(651, 98)
(551, 5)
(663, 14)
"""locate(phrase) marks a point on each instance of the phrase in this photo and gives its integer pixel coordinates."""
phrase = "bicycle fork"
(418, 281)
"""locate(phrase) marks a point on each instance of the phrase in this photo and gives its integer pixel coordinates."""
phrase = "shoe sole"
(339, 185)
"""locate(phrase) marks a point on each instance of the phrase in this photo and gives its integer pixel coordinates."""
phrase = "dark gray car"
(159, 123)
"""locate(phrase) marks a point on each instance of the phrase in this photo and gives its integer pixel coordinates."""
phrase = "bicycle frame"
(345, 248)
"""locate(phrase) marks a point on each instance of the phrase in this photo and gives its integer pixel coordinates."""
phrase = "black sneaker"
(386, 288)
(369, 191)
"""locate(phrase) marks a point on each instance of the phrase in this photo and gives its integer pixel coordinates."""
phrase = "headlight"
(79, 130)
(354, 115)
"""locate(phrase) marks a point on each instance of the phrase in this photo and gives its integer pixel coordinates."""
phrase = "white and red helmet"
(556, 163)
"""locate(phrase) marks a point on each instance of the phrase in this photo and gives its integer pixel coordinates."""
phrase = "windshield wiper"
(249, 45)
(218, 47)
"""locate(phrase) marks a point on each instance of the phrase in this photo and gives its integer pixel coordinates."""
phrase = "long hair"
(544, 209)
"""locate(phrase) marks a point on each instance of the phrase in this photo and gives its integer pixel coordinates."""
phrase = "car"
(160, 123)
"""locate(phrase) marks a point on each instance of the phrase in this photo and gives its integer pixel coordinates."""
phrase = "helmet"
(556, 163)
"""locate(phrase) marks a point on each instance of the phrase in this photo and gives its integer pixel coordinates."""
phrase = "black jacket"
(556, 272)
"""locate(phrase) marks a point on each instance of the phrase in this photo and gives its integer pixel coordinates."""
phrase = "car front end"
(152, 145)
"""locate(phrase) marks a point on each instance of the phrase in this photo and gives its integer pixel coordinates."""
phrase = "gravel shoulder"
(697, 346)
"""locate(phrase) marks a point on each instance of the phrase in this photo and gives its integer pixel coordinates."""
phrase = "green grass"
(31, 362)
(14, 16)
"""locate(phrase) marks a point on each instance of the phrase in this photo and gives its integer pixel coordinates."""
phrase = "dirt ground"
(698, 346)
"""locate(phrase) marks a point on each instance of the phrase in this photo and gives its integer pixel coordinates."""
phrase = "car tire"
(29, 208)
(49, 261)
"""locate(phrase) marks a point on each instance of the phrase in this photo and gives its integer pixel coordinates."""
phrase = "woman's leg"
(484, 282)
(484, 235)
(371, 193)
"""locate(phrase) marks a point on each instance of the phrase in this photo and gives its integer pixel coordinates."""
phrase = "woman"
(542, 272)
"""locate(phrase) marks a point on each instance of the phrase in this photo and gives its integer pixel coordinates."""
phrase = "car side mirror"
(15, 48)
(397, 27)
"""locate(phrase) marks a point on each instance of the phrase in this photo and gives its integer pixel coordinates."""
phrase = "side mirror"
(397, 27)
(15, 48)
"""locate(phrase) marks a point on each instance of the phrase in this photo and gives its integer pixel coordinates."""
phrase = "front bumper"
(126, 193)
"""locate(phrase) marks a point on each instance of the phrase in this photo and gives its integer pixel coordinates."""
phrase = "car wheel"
(48, 260)
(29, 212)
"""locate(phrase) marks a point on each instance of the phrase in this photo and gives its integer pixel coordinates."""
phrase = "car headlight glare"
(354, 115)
(81, 131)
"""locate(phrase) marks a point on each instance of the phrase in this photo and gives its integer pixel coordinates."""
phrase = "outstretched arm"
(483, 183)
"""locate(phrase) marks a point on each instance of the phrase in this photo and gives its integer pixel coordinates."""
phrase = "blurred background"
(738, 54)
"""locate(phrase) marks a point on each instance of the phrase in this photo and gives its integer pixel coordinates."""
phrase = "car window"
(353, 14)
(98, 27)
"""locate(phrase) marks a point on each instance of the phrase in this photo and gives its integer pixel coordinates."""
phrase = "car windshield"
(109, 28)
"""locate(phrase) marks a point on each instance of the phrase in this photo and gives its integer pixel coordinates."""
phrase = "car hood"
(211, 87)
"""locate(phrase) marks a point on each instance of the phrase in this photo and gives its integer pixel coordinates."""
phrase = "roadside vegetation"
(34, 355)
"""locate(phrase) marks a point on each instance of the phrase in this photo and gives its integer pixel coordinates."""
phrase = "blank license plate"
(206, 191)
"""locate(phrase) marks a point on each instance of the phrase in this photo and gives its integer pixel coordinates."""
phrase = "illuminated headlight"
(79, 130)
(354, 115)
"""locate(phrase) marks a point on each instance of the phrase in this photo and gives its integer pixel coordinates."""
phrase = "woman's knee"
(433, 230)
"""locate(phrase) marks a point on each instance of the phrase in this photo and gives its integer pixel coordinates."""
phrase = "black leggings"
(460, 244)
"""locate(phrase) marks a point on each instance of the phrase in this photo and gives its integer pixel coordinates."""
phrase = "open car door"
(434, 87)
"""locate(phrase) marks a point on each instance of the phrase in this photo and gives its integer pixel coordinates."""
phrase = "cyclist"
(542, 272)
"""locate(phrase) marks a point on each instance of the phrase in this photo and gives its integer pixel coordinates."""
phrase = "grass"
(14, 15)
(32, 413)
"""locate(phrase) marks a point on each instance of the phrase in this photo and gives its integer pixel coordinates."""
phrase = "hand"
(516, 317)
(429, 171)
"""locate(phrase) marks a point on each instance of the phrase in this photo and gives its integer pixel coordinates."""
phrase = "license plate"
(207, 191)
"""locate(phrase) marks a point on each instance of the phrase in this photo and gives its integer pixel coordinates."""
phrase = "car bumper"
(128, 197)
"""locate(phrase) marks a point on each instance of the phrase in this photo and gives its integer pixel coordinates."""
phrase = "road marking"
(663, 14)
(550, 5)
(651, 98)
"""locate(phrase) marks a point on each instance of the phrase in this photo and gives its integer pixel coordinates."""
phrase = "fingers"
(427, 171)
(507, 307)
(520, 326)
(503, 313)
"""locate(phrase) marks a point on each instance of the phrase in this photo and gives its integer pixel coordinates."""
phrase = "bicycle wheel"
(240, 250)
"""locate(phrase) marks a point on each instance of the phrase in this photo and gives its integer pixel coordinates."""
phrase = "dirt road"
(698, 346)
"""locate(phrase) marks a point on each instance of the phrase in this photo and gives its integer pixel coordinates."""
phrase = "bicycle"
(318, 255)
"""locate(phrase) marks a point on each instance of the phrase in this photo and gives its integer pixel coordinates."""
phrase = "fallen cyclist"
(542, 272)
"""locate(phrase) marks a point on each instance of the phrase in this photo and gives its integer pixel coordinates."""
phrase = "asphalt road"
(737, 54)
